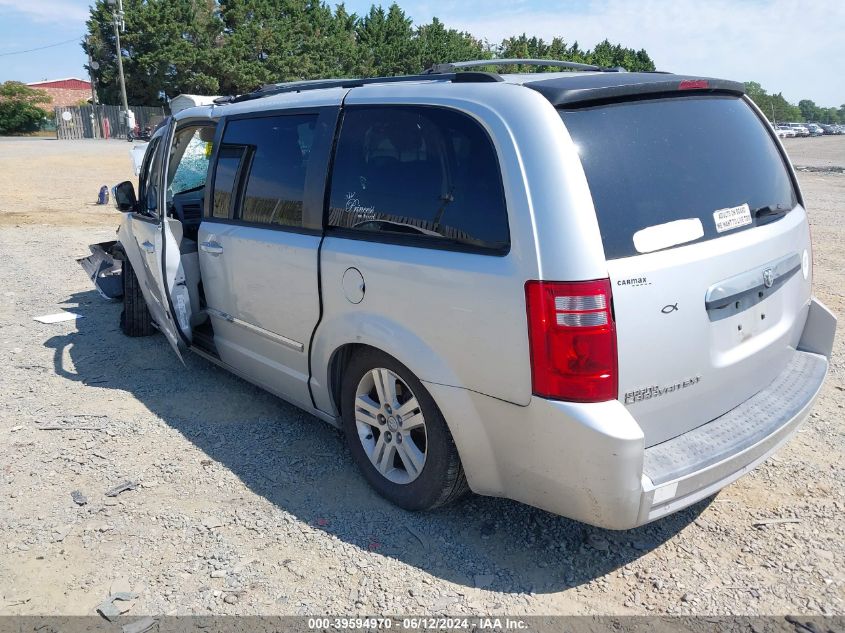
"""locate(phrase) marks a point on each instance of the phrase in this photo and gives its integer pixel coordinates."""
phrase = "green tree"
(809, 110)
(438, 45)
(330, 39)
(385, 42)
(812, 112)
(234, 46)
(829, 115)
(775, 107)
(20, 108)
(167, 46)
(604, 54)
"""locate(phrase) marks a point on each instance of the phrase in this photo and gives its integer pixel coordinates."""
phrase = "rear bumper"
(589, 461)
(694, 465)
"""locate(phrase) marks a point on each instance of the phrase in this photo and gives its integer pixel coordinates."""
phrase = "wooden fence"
(102, 121)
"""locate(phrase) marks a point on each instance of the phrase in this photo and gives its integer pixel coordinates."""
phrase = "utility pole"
(118, 27)
(92, 66)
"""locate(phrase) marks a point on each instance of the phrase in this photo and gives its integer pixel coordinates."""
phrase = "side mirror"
(124, 196)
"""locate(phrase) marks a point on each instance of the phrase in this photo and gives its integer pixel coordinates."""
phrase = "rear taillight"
(572, 339)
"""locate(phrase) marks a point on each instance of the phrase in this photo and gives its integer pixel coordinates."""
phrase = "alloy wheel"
(391, 426)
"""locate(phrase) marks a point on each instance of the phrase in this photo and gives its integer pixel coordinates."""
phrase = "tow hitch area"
(104, 270)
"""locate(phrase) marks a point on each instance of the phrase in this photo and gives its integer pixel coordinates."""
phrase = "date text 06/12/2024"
(419, 624)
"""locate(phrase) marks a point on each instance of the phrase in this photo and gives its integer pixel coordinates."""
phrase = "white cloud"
(787, 45)
(47, 11)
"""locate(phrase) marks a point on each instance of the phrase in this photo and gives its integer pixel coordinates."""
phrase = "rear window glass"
(651, 162)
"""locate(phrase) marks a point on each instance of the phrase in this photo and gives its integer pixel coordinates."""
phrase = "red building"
(65, 92)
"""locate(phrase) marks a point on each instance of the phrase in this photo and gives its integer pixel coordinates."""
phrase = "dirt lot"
(246, 505)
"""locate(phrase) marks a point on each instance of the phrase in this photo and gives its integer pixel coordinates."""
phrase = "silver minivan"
(587, 290)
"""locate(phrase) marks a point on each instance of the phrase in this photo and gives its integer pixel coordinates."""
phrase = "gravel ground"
(245, 505)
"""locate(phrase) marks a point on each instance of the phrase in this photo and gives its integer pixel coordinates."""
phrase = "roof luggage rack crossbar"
(321, 84)
(451, 67)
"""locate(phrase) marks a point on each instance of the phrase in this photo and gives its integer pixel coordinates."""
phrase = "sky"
(790, 46)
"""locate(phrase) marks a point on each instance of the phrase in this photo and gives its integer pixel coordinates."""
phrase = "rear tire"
(135, 320)
(417, 466)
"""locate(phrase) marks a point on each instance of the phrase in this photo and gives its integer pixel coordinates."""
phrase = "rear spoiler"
(608, 86)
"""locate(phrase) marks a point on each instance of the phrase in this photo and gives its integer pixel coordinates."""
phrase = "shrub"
(19, 108)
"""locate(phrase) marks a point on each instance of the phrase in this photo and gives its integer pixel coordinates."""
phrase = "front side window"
(261, 167)
(418, 171)
(150, 175)
(189, 159)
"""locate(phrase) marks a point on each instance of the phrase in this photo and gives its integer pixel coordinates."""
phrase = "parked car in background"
(800, 129)
(785, 131)
(470, 274)
(828, 128)
(815, 129)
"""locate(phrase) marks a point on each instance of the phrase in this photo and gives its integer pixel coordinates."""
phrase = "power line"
(40, 48)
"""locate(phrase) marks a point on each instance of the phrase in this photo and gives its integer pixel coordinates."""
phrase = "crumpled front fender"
(104, 267)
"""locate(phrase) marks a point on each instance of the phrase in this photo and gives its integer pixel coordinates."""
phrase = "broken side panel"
(104, 269)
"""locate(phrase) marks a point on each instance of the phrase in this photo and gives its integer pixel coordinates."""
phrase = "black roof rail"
(320, 84)
(451, 67)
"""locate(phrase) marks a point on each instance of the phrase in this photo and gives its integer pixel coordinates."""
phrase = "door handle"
(212, 248)
(149, 247)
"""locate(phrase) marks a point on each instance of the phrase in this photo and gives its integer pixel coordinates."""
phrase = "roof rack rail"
(451, 67)
(320, 84)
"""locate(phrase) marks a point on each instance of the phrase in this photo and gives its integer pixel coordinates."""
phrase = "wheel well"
(337, 367)
(117, 252)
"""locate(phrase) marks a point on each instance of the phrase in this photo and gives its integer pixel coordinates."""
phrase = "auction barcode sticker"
(732, 218)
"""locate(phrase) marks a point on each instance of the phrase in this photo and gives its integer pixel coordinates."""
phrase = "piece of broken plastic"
(58, 317)
(126, 485)
(109, 610)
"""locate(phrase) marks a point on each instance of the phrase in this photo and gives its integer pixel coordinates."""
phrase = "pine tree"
(165, 47)
(438, 45)
(234, 46)
(386, 43)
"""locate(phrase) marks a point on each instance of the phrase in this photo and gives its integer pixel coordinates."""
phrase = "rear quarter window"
(653, 161)
(425, 174)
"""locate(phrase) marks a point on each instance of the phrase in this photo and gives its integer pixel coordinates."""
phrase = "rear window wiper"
(770, 213)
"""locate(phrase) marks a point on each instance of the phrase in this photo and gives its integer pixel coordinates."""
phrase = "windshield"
(681, 160)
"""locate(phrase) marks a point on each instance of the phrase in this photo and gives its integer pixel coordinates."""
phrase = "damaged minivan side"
(165, 214)
(468, 273)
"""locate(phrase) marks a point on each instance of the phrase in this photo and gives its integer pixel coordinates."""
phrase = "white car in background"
(784, 131)
(800, 129)
(137, 152)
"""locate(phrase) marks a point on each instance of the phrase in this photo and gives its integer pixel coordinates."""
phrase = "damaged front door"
(149, 245)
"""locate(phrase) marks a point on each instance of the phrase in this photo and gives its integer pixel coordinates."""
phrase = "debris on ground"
(78, 498)
(116, 605)
(765, 522)
(140, 626)
(211, 522)
(123, 487)
(59, 317)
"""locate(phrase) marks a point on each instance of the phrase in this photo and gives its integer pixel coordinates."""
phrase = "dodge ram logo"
(768, 277)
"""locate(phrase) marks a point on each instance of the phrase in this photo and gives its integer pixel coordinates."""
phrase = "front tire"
(135, 320)
(397, 435)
